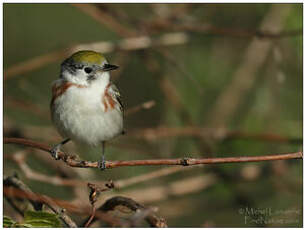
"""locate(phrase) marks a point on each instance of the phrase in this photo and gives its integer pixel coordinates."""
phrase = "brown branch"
(13, 181)
(215, 133)
(139, 42)
(16, 183)
(94, 193)
(59, 206)
(161, 25)
(149, 176)
(19, 158)
(71, 161)
(128, 44)
(27, 106)
(36, 62)
(90, 220)
(151, 218)
(145, 105)
(245, 76)
(171, 58)
(104, 18)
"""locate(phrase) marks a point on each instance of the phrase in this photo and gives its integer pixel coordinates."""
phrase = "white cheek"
(81, 75)
(103, 76)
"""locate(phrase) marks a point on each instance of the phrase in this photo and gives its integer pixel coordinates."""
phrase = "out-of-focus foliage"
(33, 219)
(195, 74)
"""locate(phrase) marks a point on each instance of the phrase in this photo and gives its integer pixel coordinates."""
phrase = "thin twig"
(62, 205)
(36, 63)
(145, 105)
(177, 188)
(104, 18)
(19, 158)
(243, 79)
(215, 133)
(91, 216)
(128, 44)
(149, 176)
(207, 29)
(16, 183)
(94, 193)
(71, 161)
(13, 181)
(171, 58)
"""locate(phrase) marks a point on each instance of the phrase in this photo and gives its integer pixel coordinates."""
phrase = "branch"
(13, 181)
(104, 18)
(255, 56)
(128, 44)
(73, 162)
(207, 29)
(20, 160)
(152, 219)
(145, 105)
(94, 193)
(162, 132)
(59, 206)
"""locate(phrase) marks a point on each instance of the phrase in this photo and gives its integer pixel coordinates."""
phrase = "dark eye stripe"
(78, 66)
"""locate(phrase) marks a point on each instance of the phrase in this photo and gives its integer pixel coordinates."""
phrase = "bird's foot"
(54, 151)
(102, 164)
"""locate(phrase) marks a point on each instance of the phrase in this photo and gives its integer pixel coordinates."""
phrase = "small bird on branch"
(86, 106)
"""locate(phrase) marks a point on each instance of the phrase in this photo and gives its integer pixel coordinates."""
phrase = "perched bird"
(86, 107)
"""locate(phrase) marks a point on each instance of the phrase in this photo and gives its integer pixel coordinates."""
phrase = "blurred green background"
(221, 91)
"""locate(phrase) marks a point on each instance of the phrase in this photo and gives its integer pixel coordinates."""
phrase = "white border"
(128, 1)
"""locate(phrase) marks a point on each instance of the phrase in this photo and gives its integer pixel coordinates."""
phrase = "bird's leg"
(102, 162)
(54, 151)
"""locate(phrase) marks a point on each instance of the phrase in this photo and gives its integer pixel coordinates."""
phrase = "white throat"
(101, 78)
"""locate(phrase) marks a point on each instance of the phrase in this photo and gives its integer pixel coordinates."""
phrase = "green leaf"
(17, 225)
(8, 222)
(41, 219)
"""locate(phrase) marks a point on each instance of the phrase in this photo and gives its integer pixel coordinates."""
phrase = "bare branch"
(59, 206)
(19, 158)
(207, 29)
(215, 133)
(128, 44)
(152, 219)
(104, 18)
(13, 181)
(94, 193)
(145, 105)
(35, 63)
(245, 75)
(139, 42)
(71, 161)
(149, 176)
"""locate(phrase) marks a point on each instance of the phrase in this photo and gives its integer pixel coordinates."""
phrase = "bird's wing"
(115, 94)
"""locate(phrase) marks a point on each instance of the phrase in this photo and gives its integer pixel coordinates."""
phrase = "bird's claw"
(102, 164)
(54, 152)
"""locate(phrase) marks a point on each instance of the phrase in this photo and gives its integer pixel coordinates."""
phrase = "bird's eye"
(88, 70)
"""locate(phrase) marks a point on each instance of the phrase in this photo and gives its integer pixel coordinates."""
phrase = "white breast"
(79, 114)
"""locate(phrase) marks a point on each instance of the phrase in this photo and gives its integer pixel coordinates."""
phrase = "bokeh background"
(218, 80)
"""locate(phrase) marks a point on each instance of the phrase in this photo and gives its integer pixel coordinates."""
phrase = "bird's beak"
(108, 67)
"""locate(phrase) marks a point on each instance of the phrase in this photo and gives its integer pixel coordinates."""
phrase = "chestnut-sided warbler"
(85, 106)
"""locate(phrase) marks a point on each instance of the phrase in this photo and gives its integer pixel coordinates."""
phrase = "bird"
(86, 107)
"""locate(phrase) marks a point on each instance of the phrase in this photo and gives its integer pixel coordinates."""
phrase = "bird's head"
(85, 67)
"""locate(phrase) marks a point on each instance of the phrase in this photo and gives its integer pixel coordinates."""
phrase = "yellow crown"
(88, 56)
